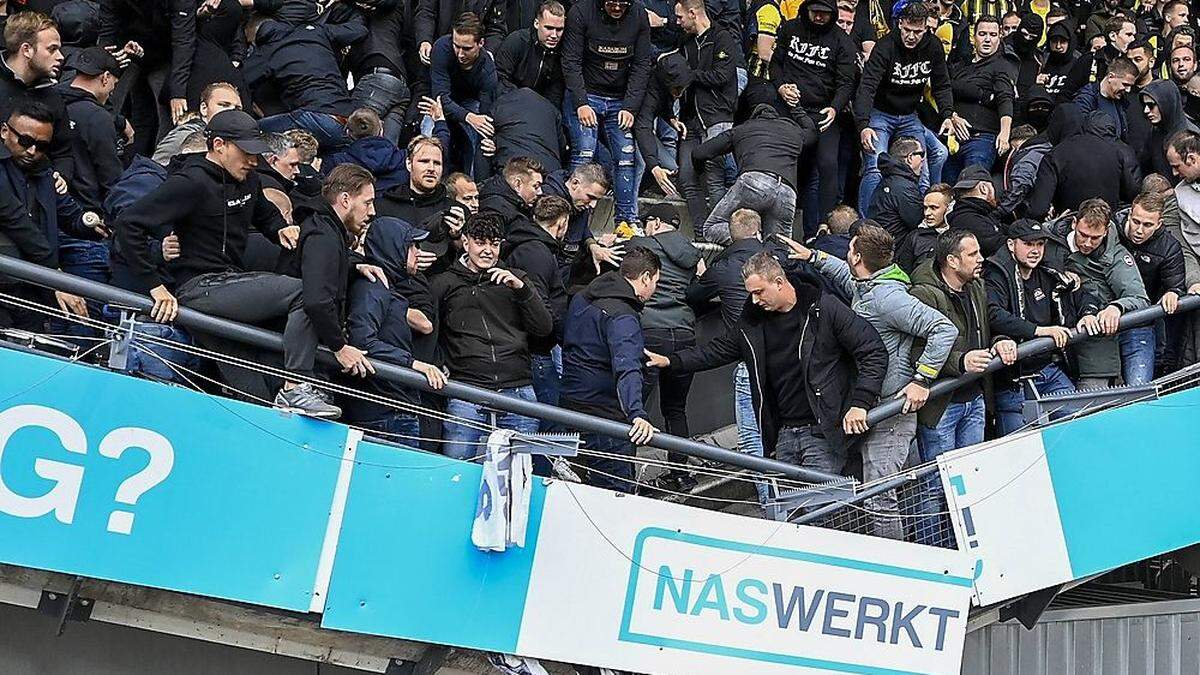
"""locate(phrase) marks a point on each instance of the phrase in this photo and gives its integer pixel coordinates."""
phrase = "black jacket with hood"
(377, 321)
(95, 160)
(821, 61)
(530, 248)
(14, 91)
(325, 267)
(843, 357)
(484, 328)
(767, 142)
(212, 214)
(1058, 66)
(723, 280)
(605, 56)
(894, 78)
(602, 351)
(1159, 260)
(1081, 166)
(668, 307)
(304, 62)
(421, 210)
(896, 206)
(522, 61)
(980, 219)
(1169, 100)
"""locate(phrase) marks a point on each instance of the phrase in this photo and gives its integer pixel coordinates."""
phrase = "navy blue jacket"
(456, 86)
(382, 158)
(303, 61)
(32, 214)
(378, 316)
(602, 351)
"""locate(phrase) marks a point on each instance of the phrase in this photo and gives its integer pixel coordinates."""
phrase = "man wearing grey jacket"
(879, 291)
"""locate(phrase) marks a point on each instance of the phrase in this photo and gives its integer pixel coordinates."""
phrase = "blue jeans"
(749, 437)
(961, 425)
(888, 127)
(1010, 402)
(396, 427)
(465, 442)
(607, 472)
(87, 259)
(463, 137)
(330, 133)
(619, 143)
(547, 376)
(1137, 354)
(978, 149)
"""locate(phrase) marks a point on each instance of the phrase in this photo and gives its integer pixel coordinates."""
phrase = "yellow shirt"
(790, 8)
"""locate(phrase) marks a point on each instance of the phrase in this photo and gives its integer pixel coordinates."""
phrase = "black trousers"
(673, 387)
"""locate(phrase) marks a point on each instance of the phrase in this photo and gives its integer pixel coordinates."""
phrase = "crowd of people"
(898, 194)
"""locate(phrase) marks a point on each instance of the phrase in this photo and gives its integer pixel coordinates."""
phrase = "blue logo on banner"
(106, 476)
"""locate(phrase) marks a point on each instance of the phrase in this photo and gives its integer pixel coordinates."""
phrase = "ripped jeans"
(619, 143)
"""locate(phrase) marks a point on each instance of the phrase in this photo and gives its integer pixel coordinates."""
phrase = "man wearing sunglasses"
(32, 213)
(606, 65)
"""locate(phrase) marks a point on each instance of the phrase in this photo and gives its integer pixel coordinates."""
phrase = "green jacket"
(931, 289)
(1110, 276)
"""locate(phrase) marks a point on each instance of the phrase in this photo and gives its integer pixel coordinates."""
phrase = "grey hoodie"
(883, 300)
(668, 308)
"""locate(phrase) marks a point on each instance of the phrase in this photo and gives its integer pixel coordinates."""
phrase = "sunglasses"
(26, 141)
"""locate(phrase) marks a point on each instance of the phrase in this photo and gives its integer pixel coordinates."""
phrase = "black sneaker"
(676, 481)
(306, 400)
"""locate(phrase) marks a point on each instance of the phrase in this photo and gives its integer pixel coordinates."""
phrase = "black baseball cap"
(1028, 230)
(822, 5)
(96, 60)
(239, 128)
(662, 211)
(972, 176)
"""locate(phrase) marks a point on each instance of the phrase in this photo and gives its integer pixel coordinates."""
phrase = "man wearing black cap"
(668, 322)
(671, 77)
(975, 208)
(814, 68)
(213, 203)
(1029, 299)
(94, 144)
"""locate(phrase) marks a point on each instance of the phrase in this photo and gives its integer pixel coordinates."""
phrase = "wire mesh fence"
(915, 512)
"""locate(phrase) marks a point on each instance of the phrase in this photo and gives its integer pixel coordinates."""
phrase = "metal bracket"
(791, 503)
(1037, 410)
(118, 355)
(68, 607)
(548, 444)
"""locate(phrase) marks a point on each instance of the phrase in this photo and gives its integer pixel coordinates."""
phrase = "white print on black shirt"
(911, 74)
(238, 202)
(810, 54)
(1055, 83)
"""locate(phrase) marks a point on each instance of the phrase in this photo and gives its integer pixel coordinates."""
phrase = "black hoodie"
(484, 328)
(14, 91)
(1058, 66)
(304, 62)
(212, 214)
(607, 57)
(980, 219)
(984, 90)
(895, 77)
(1169, 100)
(497, 196)
(821, 61)
(766, 143)
(530, 248)
(325, 266)
(668, 307)
(1081, 166)
(421, 210)
(93, 148)
(378, 315)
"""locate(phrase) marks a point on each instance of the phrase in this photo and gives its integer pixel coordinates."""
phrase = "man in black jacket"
(379, 63)
(766, 148)
(326, 240)
(983, 95)
(602, 363)
(975, 208)
(534, 247)
(423, 201)
(1119, 33)
(486, 315)
(1079, 167)
(304, 63)
(433, 19)
(670, 79)
(606, 65)
(30, 65)
(525, 125)
(815, 366)
(33, 214)
(707, 105)
(159, 38)
(95, 158)
(1060, 58)
(1159, 259)
(529, 57)
(213, 202)
(814, 69)
(896, 206)
(1027, 298)
(511, 194)
(893, 82)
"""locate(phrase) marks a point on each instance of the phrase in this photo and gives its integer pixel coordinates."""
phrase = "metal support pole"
(263, 339)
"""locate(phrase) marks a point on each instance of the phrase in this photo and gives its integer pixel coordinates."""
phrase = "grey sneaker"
(306, 400)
